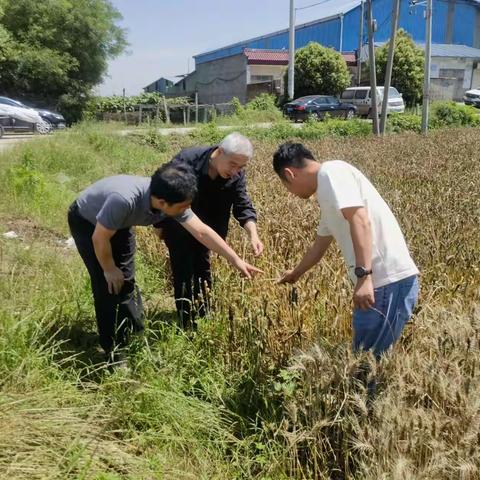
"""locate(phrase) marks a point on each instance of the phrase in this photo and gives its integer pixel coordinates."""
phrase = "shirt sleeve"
(242, 208)
(323, 230)
(339, 188)
(186, 215)
(114, 212)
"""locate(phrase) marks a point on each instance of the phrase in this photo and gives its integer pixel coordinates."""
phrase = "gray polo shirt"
(122, 201)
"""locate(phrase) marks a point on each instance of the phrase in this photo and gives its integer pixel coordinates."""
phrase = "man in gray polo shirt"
(101, 221)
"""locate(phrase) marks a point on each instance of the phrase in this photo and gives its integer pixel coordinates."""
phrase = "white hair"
(237, 144)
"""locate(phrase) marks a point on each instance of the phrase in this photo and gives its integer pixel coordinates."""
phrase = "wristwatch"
(361, 272)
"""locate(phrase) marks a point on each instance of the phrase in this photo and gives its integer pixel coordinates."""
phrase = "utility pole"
(428, 59)
(124, 107)
(360, 43)
(291, 52)
(373, 73)
(388, 73)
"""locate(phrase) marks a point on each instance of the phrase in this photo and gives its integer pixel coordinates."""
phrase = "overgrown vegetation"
(118, 104)
(443, 115)
(266, 389)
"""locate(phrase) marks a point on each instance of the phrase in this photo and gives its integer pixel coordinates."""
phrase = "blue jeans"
(380, 326)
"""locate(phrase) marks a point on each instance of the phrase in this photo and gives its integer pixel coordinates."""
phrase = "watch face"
(360, 272)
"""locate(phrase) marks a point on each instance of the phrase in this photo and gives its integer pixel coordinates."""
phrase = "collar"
(147, 203)
(206, 162)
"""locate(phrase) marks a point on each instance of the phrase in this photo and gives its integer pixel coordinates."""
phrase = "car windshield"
(392, 92)
(9, 101)
(304, 99)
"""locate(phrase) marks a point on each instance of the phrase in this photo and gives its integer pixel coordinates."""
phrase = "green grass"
(266, 389)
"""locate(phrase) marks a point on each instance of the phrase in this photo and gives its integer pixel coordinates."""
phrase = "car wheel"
(43, 128)
(50, 125)
(350, 114)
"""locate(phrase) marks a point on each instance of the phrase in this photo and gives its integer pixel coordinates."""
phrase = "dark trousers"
(191, 271)
(117, 315)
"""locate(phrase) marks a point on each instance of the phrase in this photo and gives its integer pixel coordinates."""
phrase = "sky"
(165, 34)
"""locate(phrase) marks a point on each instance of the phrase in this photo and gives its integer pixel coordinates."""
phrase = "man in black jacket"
(221, 191)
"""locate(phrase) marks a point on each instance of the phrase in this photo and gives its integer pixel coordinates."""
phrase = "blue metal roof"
(338, 27)
(461, 51)
(447, 50)
(330, 9)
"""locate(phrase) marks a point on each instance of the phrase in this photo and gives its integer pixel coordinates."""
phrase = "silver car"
(360, 97)
(472, 97)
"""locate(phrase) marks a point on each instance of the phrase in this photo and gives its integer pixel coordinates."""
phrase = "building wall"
(454, 21)
(161, 86)
(476, 77)
(216, 81)
(451, 77)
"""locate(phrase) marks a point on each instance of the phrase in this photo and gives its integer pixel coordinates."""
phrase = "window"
(261, 78)
(457, 73)
(348, 94)
(361, 94)
(332, 101)
(320, 101)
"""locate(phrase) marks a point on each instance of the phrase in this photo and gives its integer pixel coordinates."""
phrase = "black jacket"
(217, 198)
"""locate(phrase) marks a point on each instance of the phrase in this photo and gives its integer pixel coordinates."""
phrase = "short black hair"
(174, 183)
(290, 155)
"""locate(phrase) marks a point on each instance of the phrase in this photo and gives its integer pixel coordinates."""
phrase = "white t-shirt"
(340, 185)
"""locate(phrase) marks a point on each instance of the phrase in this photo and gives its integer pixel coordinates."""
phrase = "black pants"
(117, 315)
(192, 278)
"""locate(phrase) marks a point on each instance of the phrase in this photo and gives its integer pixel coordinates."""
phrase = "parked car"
(20, 119)
(52, 119)
(361, 98)
(318, 106)
(472, 97)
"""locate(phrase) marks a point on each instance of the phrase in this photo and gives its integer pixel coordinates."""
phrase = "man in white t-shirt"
(356, 216)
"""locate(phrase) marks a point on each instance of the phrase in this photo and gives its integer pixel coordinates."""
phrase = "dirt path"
(186, 130)
(8, 141)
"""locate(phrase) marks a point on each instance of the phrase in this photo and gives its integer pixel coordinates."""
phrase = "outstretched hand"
(247, 270)
(288, 277)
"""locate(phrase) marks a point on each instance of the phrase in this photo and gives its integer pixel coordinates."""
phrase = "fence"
(191, 113)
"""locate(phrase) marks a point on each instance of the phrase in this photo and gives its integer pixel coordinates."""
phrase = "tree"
(56, 51)
(408, 64)
(320, 70)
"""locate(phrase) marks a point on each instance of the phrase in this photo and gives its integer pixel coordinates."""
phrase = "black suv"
(52, 119)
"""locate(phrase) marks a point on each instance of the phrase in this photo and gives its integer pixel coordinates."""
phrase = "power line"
(313, 5)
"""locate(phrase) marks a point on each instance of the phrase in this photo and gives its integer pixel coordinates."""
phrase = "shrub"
(264, 102)
(208, 134)
(404, 122)
(153, 139)
(450, 114)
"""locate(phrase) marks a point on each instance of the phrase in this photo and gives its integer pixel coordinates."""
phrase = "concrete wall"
(451, 77)
(476, 77)
(220, 80)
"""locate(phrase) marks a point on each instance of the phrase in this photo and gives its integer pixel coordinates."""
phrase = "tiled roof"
(263, 56)
(259, 56)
